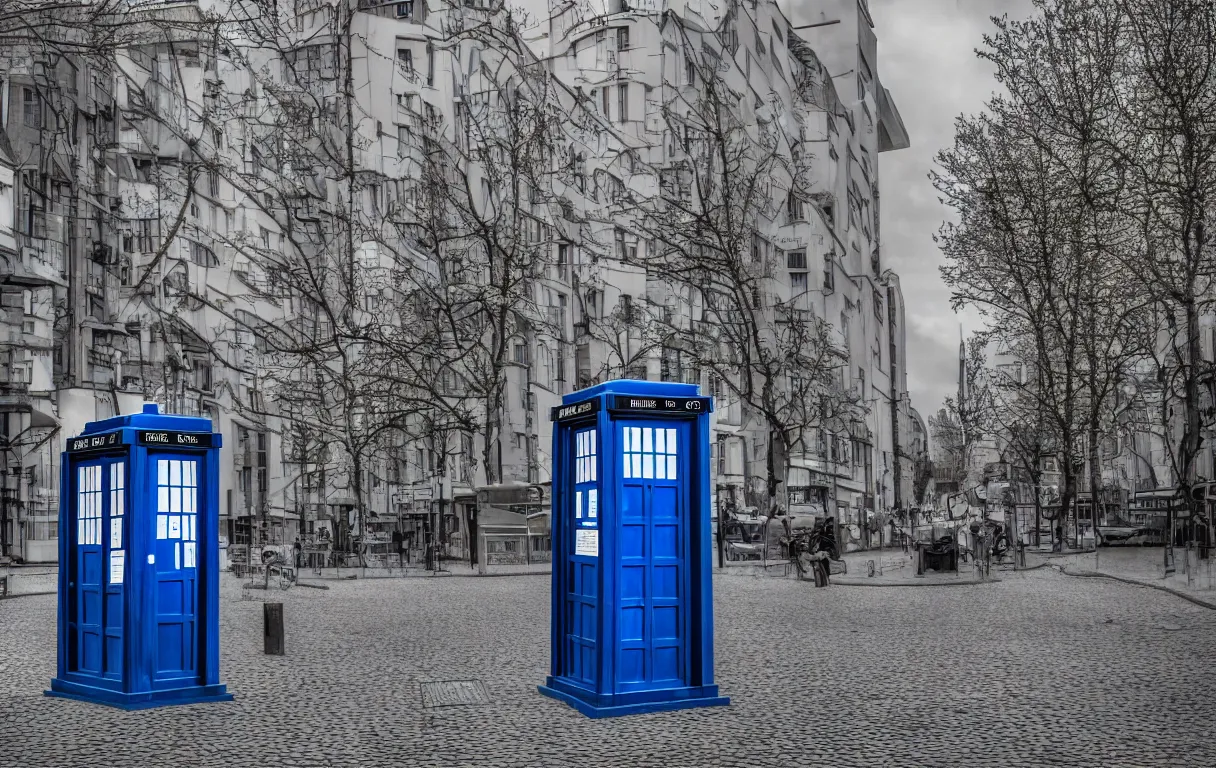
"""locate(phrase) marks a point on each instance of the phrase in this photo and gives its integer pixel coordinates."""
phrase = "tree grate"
(454, 693)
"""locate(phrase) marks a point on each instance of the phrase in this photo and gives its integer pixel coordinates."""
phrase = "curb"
(1136, 583)
(957, 583)
(960, 583)
(27, 594)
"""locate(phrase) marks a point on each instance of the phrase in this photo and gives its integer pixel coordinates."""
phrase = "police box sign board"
(175, 439)
(94, 442)
(663, 404)
(574, 410)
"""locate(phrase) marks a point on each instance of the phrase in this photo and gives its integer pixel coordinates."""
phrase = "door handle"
(71, 584)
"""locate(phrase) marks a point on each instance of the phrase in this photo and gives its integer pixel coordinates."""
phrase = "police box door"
(581, 530)
(97, 566)
(175, 481)
(652, 572)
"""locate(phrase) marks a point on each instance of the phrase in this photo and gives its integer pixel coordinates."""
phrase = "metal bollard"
(272, 635)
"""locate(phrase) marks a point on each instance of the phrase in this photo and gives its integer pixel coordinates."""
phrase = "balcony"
(15, 396)
(39, 265)
(17, 337)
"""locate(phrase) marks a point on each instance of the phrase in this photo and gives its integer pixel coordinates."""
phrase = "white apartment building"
(624, 60)
(178, 299)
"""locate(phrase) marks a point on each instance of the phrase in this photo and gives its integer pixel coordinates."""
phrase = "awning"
(42, 420)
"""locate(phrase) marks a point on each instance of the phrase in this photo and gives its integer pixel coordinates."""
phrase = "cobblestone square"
(1037, 669)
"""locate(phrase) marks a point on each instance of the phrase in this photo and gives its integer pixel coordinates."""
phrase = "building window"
(607, 94)
(202, 255)
(627, 307)
(670, 368)
(31, 112)
(622, 38)
(623, 101)
(798, 283)
(690, 71)
(793, 207)
(829, 273)
(521, 354)
(430, 64)
(405, 9)
(404, 55)
(620, 244)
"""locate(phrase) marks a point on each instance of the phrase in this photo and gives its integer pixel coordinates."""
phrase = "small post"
(272, 634)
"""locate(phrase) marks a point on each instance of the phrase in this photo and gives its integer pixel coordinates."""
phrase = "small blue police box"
(632, 604)
(138, 563)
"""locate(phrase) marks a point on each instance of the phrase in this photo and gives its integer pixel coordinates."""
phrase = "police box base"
(635, 703)
(197, 694)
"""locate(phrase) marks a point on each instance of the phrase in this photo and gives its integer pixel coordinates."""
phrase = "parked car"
(1146, 537)
(1116, 535)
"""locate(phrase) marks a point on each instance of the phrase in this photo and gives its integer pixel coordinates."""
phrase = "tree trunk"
(1191, 436)
(1095, 482)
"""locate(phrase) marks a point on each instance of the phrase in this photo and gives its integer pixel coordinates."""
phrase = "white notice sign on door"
(587, 542)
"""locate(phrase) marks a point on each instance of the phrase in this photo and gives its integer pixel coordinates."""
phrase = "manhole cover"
(454, 693)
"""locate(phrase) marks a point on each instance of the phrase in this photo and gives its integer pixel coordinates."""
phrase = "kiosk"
(139, 570)
(632, 603)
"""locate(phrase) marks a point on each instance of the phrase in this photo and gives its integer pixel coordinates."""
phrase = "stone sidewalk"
(1193, 579)
(892, 568)
(1145, 564)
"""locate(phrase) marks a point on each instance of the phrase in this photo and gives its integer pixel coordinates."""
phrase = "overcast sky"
(926, 59)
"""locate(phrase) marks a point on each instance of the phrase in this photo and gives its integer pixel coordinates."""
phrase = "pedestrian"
(399, 546)
(299, 554)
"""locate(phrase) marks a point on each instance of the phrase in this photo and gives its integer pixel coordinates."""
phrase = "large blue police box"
(632, 604)
(138, 563)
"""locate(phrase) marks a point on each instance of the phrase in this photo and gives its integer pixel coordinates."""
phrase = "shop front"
(511, 526)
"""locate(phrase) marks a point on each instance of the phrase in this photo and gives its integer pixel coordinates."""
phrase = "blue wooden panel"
(652, 567)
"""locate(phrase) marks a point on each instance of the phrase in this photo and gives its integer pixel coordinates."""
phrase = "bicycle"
(284, 572)
(812, 550)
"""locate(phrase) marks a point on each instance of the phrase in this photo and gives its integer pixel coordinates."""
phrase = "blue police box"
(632, 606)
(138, 563)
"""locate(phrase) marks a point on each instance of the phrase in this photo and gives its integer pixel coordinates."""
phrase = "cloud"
(926, 58)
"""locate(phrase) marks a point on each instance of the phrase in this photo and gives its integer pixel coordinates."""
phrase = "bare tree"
(730, 174)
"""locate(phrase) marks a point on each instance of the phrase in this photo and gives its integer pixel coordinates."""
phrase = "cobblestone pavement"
(1039, 669)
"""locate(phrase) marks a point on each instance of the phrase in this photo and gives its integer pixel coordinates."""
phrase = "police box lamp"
(139, 563)
(632, 603)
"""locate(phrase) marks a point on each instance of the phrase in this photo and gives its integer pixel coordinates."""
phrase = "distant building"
(124, 282)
